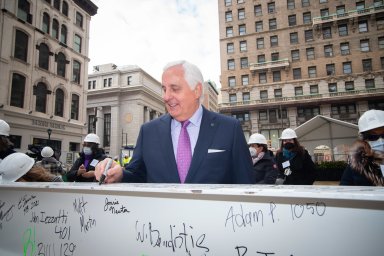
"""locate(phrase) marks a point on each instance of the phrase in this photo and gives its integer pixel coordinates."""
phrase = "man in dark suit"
(218, 152)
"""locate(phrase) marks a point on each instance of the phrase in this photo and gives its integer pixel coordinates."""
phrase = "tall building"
(43, 70)
(120, 100)
(210, 98)
(286, 61)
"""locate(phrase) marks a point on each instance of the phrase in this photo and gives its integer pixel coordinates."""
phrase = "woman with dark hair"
(294, 163)
(83, 170)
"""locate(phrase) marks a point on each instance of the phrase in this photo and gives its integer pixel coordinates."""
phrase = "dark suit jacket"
(154, 161)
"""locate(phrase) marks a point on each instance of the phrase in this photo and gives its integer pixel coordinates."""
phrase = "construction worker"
(126, 159)
(116, 159)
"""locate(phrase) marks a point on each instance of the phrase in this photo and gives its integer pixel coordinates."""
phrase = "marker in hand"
(102, 178)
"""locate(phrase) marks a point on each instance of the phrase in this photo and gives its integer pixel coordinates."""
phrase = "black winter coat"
(265, 170)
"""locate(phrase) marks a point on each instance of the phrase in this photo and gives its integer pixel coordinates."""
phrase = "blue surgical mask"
(87, 151)
(377, 145)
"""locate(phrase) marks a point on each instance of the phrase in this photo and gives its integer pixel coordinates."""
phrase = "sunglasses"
(373, 137)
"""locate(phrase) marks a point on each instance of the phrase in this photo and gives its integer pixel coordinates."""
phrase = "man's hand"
(114, 175)
(81, 170)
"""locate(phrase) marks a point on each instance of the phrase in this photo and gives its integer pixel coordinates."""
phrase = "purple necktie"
(184, 154)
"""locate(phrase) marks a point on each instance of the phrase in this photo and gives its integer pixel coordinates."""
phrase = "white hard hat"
(47, 152)
(252, 151)
(257, 138)
(288, 134)
(4, 128)
(91, 137)
(371, 119)
(15, 166)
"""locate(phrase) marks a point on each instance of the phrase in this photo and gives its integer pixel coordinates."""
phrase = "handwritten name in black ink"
(27, 202)
(114, 207)
(44, 218)
(6, 212)
(86, 224)
(79, 205)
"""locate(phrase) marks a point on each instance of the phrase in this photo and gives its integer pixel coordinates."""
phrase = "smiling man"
(189, 144)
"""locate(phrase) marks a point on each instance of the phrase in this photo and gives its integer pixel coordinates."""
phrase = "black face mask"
(289, 146)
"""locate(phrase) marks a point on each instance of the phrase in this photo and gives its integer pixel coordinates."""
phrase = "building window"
(259, 26)
(56, 4)
(230, 48)
(274, 56)
(295, 55)
(79, 19)
(308, 112)
(64, 8)
(241, 14)
(40, 91)
(228, 2)
(312, 73)
(244, 62)
(61, 64)
(381, 42)
(76, 72)
(107, 130)
(246, 97)
(262, 78)
(296, 73)
(91, 124)
(324, 13)
(293, 38)
(55, 29)
(308, 35)
(278, 93)
(231, 81)
(344, 48)
(349, 86)
(44, 56)
(310, 53)
(347, 67)
(260, 43)
(18, 90)
(314, 89)
(380, 22)
(343, 109)
(272, 24)
(23, 8)
(271, 7)
(231, 64)
(323, 1)
(229, 31)
(332, 87)
(369, 83)
(264, 94)
(360, 6)
(290, 4)
(232, 98)
(327, 32)
(328, 50)
(363, 26)
(305, 3)
(261, 58)
(340, 10)
(364, 45)
(75, 102)
(46, 23)
(343, 30)
(63, 34)
(59, 103)
(228, 16)
(263, 115)
(243, 46)
(77, 43)
(105, 82)
(245, 79)
(307, 18)
(21, 46)
(276, 76)
(292, 20)
(367, 65)
(330, 68)
(242, 30)
(298, 91)
(258, 10)
(109, 82)
(241, 116)
(274, 41)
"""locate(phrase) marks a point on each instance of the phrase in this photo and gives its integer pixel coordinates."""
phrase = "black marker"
(102, 178)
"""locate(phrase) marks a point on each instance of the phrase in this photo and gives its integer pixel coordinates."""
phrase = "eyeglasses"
(372, 137)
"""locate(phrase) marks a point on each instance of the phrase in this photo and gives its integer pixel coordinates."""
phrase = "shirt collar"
(195, 119)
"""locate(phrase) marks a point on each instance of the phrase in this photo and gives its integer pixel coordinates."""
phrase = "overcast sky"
(151, 33)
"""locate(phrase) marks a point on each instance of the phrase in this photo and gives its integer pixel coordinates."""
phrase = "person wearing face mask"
(263, 161)
(293, 161)
(83, 170)
(366, 157)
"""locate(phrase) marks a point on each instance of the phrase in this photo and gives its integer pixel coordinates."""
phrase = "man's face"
(181, 102)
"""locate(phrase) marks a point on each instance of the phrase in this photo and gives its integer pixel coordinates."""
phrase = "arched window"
(23, 9)
(18, 90)
(76, 72)
(43, 56)
(56, 4)
(63, 37)
(75, 107)
(61, 62)
(64, 8)
(21, 46)
(40, 91)
(55, 29)
(59, 103)
(46, 22)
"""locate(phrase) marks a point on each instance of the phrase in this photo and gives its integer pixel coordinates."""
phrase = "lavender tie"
(184, 154)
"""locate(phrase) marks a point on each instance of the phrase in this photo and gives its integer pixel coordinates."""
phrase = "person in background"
(49, 162)
(294, 163)
(20, 167)
(116, 159)
(6, 146)
(189, 144)
(126, 159)
(83, 170)
(263, 162)
(366, 157)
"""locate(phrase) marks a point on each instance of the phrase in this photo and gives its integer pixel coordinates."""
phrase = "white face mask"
(377, 145)
(87, 151)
